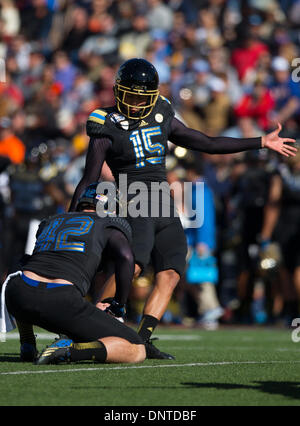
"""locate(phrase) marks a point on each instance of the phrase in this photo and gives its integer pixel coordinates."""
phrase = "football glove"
(116, 309)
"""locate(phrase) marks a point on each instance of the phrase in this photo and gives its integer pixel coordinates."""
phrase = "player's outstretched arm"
(198, 141)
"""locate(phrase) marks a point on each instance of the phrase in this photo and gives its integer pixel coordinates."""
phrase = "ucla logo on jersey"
(116, 118)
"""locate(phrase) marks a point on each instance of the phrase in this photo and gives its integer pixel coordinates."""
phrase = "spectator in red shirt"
(245, 58)
(257, 105)
(10, 145)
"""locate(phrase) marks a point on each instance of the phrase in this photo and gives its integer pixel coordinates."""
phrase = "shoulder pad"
(165, 106)
(95, 122)
(98, 116)
(165, 99)
(121, 224)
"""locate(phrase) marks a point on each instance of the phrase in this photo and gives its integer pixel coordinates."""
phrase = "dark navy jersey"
(138, 148)
(70, 246)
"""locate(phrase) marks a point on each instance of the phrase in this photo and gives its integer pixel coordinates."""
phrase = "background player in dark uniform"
(50, 289)
(132, 138)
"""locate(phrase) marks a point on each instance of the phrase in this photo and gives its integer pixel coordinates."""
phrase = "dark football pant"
(160, 241)
(63, 310)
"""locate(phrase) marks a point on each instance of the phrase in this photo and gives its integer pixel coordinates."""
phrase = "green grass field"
(231, 367)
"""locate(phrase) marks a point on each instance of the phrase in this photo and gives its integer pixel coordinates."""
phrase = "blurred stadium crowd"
(228, 67)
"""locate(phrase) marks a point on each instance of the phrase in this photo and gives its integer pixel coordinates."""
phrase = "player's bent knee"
(137, 353)
(170, 277)
(121, 350)
(140, 353)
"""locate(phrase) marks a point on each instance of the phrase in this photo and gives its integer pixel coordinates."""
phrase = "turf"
(227, 367)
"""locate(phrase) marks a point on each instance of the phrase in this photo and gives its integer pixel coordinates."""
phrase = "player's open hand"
(276, 143)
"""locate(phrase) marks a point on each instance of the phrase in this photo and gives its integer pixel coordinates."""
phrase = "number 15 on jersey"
(141, 140)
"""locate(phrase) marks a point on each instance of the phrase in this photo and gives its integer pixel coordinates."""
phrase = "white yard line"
(183, 337)
(135, 367)
(239, 348)
(49, 336)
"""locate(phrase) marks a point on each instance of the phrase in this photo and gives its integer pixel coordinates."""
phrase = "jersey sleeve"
(95, 158)
(95, 123)
(96, 153)
(198, 141)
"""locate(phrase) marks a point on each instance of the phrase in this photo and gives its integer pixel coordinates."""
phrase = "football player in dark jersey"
(132, 138)
(49, 290)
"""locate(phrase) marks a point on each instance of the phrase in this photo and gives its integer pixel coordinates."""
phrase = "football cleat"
(58, 351)
(152, 352)
(28, 352)
(63, 340)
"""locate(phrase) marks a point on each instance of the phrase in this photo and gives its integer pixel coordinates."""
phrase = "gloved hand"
(117, 310)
